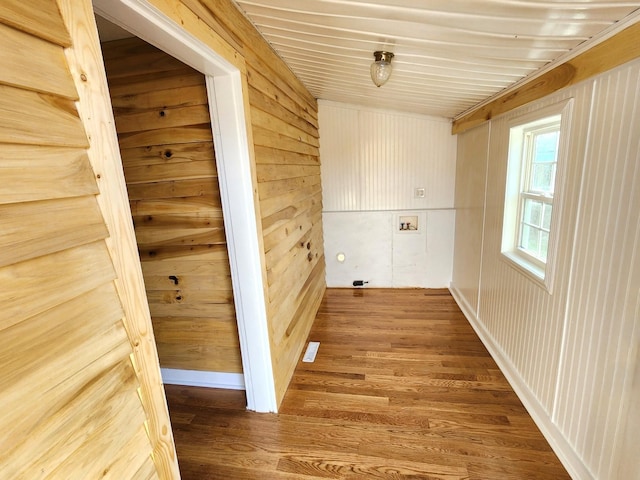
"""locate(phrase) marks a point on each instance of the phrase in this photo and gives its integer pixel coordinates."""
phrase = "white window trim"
(539, 272)
(545, 125)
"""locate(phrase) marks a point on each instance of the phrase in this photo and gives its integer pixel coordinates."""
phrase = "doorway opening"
(162, 118)
(224, 92)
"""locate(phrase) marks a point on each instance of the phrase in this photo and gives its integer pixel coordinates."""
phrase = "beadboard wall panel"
(471, 177)
(573, 351)
(533, 318)
(605, 283)
(373, 161)
(75, 365)
(163, 124)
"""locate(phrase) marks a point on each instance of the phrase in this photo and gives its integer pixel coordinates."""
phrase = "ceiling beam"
(617, 50)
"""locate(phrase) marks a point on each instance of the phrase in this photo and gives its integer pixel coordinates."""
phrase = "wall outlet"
(419, 192)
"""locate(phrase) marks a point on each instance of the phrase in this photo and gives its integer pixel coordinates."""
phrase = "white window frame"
(527, 192)
(521, 128)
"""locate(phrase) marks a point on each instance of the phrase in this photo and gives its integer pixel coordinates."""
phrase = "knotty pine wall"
(284, 133)
(79, 379)
(571, 353)
(164, 129)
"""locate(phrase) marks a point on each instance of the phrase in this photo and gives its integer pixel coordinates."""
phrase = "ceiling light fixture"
(381, 68)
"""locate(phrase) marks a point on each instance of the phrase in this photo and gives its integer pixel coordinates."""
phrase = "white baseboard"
(560, 445)
(195, 378)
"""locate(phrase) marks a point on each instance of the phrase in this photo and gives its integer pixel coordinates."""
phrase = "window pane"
(545, 147)
(532, 212)
(530, 239)
(542, 180)
(544, 245)
(531, 176)
(546, 216)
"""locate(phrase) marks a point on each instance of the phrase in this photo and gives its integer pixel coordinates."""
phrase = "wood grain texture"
(87, 69)
(37, 358)
(70, 394)
(38, 228)
(401, 388)
(33, 63)
(175, 200)
(617, 50)
(197, 26)
(43, 282)
(283, 131)
(50, 173)
(36, 17)
(25, 118)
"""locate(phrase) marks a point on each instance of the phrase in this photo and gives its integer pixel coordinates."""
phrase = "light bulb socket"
(381, 56)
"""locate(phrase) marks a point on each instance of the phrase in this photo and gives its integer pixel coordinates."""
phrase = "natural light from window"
(535, 152)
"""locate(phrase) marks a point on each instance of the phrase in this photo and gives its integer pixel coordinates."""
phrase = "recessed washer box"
(408, 223)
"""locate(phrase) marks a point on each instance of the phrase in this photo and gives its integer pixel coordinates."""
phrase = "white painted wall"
(572, 353)
(372, 162)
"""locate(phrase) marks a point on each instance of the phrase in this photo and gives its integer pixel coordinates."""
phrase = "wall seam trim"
(565, 324)
(484, 217)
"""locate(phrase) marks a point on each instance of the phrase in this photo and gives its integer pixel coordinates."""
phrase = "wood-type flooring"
(401, 388)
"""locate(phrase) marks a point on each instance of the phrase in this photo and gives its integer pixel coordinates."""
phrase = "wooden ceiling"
(450, 55)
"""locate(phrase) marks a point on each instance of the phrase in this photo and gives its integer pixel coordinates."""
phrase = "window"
(540, 159)
(535, 154)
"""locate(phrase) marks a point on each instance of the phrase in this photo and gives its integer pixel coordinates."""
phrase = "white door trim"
(224, 86)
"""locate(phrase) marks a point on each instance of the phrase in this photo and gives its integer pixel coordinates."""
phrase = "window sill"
(530, 270)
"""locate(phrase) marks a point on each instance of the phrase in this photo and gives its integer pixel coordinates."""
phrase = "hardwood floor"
(402, 388)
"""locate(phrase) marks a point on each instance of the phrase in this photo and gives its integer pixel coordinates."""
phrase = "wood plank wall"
(70, 395)
(162, 118)
(284, 128)
(284, 120)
